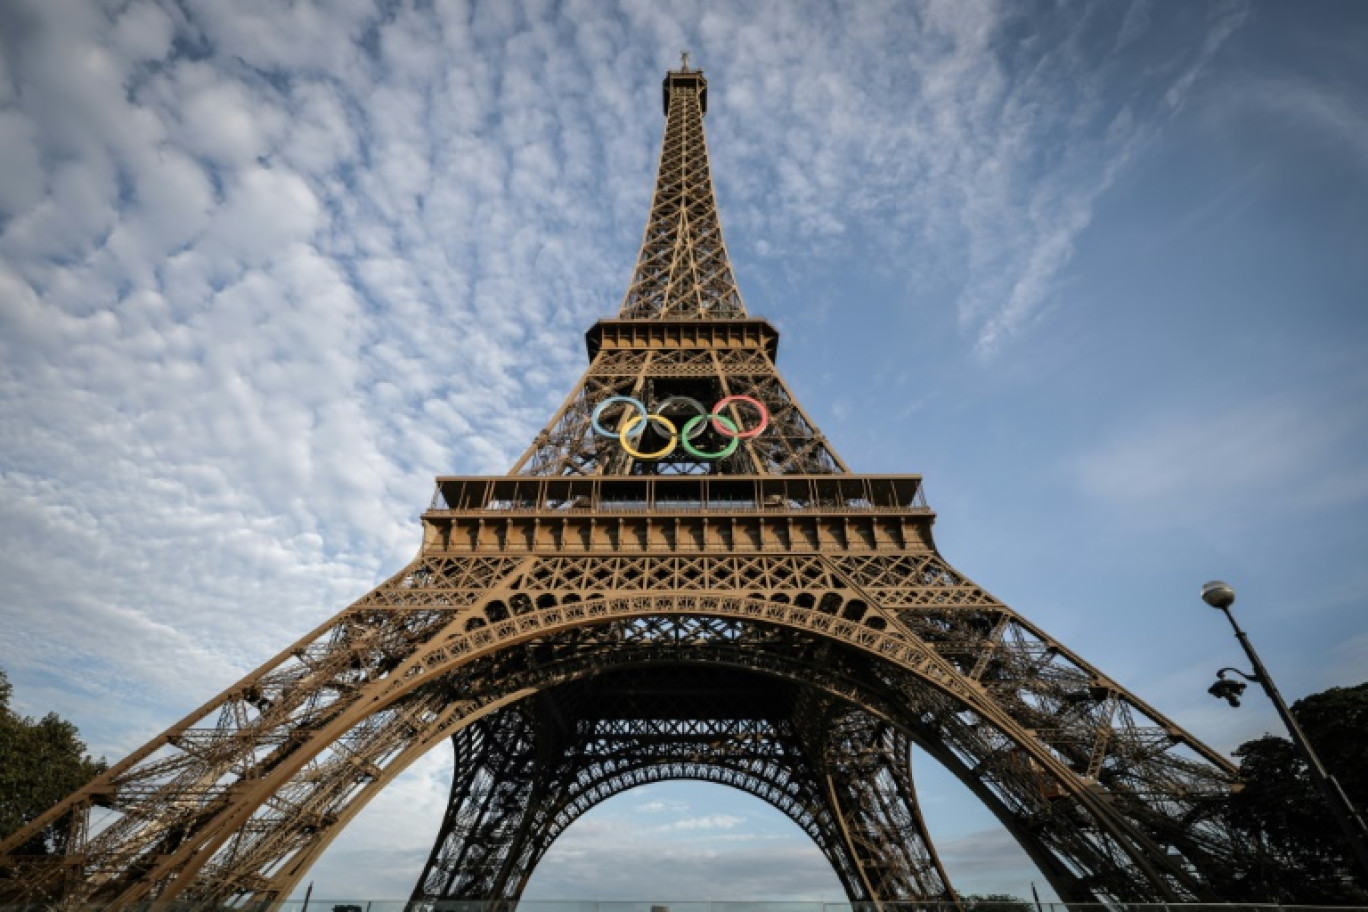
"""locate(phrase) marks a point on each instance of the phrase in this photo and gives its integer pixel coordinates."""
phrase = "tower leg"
(867, 773)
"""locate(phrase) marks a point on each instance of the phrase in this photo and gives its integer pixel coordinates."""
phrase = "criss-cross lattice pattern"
(683, 271)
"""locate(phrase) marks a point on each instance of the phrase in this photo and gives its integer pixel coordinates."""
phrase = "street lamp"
(1221, 596)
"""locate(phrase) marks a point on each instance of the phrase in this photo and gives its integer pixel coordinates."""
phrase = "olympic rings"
(632, 430)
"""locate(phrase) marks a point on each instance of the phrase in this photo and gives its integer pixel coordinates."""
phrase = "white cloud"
(143, 32)
(21, 173)
(223, 122)
(657, 806)
(266, 210)
(708, 822)
(171, 205)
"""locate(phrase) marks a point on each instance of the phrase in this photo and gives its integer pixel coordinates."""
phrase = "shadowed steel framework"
(679, 579)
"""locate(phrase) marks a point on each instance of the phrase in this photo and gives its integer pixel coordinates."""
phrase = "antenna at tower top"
(684, 61)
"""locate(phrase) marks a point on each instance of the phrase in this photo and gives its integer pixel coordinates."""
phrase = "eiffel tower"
(679, 579)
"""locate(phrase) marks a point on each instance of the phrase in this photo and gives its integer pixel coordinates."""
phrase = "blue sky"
(1097, 270)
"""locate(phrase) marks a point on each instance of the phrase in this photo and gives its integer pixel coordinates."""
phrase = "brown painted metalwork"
(683, 271)
(590, 622)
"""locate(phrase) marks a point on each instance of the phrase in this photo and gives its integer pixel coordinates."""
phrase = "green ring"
(699, 454)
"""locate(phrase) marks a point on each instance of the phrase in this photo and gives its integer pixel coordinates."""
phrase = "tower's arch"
(593, 736)
(277, 819)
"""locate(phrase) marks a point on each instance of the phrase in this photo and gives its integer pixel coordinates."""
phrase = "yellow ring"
(637, 419)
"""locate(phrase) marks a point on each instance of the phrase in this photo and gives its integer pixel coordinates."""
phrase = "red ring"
(743, 435)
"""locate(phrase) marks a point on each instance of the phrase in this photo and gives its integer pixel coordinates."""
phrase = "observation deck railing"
(800, 494)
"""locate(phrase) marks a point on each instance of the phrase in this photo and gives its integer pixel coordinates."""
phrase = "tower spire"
(683, 271)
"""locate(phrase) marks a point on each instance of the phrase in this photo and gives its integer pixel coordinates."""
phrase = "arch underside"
(233, 804)
(524, 774)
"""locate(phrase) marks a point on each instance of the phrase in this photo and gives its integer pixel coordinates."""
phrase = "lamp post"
(1221, 596)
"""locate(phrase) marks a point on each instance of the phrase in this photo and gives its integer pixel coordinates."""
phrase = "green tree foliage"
(1302, 857)
(1336, 721)
(41, 762)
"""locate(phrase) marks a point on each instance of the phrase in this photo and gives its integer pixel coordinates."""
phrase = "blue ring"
(598, 411)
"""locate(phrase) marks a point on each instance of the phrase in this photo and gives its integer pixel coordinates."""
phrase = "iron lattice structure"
(593, 621)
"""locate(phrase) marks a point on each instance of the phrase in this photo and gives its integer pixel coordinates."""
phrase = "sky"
(1098, 271)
